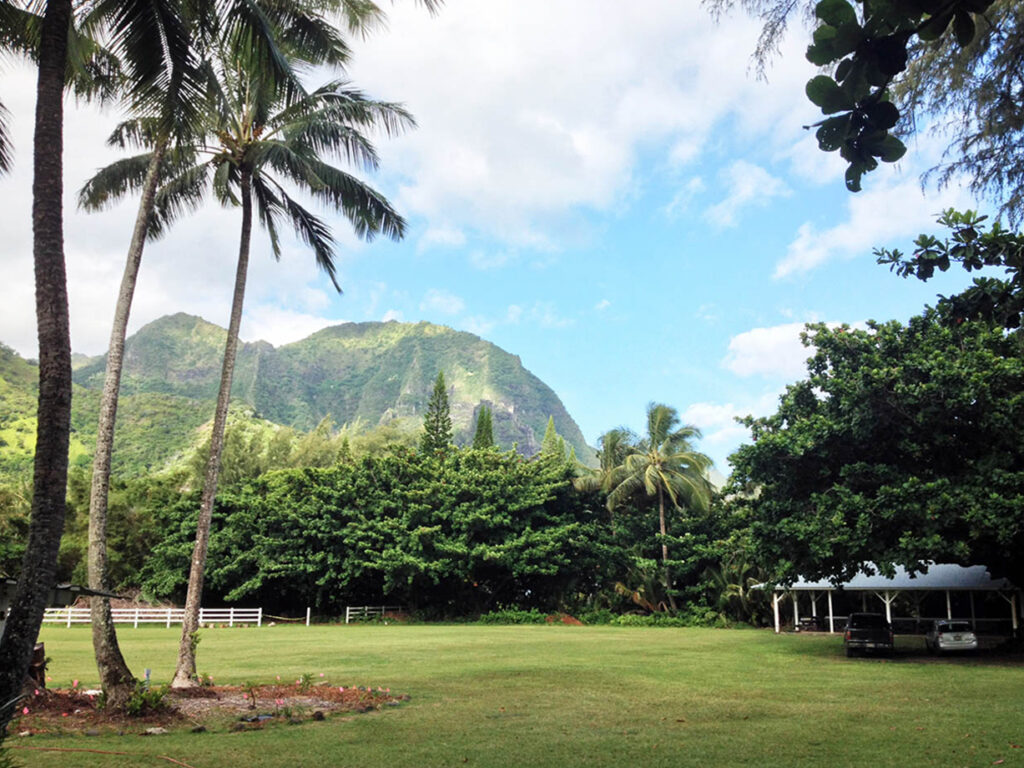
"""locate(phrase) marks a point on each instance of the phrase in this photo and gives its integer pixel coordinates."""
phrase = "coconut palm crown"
(663, 463)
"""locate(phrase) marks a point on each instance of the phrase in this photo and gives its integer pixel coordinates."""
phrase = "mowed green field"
(567, 696)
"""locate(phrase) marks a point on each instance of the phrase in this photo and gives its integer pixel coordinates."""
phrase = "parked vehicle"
(947, 635)
(868, 632)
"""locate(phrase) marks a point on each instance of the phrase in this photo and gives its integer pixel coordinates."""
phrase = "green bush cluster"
(514, 616)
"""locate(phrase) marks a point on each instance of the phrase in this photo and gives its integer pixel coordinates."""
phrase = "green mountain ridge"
(355, 373)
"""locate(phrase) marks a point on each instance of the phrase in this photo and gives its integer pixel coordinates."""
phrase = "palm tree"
(265, 142)
(663, 464)
(615, 444)
(145, 38)
(176, 142)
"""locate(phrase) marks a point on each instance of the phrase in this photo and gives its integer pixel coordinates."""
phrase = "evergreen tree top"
(437, 423)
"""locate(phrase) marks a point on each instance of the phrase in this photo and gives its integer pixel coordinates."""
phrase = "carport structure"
(941, 577)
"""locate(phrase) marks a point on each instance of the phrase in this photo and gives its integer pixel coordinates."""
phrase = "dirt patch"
(564, 618)
(204, 708)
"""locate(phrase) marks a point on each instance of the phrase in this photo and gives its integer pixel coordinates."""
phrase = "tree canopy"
(901, 447)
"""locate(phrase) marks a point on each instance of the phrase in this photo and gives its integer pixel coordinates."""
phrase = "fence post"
(69, 616)
(259, 616)
(136, 618)
(309, 611)
(231, 616)
(347, 609)
(168, 618)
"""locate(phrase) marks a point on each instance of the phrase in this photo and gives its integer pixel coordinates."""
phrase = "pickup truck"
(867, 632)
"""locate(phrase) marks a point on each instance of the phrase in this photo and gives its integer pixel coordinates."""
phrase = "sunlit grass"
(555, 696)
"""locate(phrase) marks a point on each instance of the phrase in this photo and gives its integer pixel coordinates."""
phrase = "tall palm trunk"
(115, 677)
(184, 675)
(664, 549)
(53, 429)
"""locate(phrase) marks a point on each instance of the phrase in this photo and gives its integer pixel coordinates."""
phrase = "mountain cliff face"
(372, 373)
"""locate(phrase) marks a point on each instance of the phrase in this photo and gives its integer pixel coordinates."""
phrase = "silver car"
(948, 635)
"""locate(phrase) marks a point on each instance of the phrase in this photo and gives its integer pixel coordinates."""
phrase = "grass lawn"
(558, 696)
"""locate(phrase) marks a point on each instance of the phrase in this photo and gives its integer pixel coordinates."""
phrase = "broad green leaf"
(891, 150)
(963, 28)
(935, 27)
(824, 92)
(883, 115)
(821, 54)
(833, 132)
(835, 12)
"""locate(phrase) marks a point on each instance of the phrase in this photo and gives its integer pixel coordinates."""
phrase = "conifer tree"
(437, 423)
(484, 436)
(552, 444)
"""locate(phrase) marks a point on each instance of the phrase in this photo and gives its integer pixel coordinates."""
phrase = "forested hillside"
(361, 374)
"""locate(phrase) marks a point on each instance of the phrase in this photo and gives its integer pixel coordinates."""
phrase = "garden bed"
(207, 707)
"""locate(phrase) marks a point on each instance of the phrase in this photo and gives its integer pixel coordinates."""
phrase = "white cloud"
(529, 112)
(810, 164)
(447, 237)
(680, 202)
(717, 421)
(442, 301)
(278, 325)
(393, 314)
(747, 185)
(602, 305)
(890, 209)
(773, 352)
(479, 325)
(514, 314)
(545, 314)
(489, 259)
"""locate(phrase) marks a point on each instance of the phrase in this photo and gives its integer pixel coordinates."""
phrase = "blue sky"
(603, 189)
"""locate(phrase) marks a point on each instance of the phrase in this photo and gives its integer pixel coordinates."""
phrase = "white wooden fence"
(165, 616)
(358, 612)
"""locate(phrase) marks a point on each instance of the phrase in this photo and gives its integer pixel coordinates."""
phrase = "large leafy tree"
(901, 447)
(450, 535)
(286, 37)
(269, 139)
(664, 465)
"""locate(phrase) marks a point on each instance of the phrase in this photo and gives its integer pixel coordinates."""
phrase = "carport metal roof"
(941, 577)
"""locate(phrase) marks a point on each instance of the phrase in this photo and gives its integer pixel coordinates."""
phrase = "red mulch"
(50, 711)
(565, 618)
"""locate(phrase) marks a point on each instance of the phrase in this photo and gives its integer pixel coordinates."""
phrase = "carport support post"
(887, 597)
(949, 606)
(775, 610)
(796, 612)
(974, 624)
(831, 621)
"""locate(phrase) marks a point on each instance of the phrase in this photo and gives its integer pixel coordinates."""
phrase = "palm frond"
(135, 132)
(367, 210)
(314, 232)
(110, 184)
(268, 207)
(224, 179)
(152, 39)
(183, 192)
(19, 30)
(6, 146)
(249, 35)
